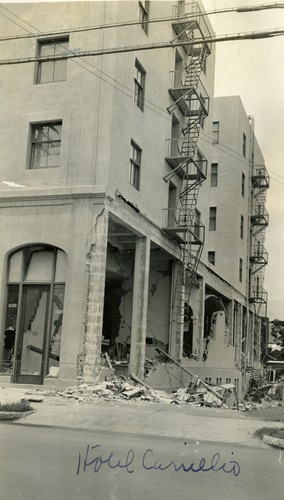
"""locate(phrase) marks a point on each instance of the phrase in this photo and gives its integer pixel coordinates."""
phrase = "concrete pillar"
(95, 301)
(238, 318)
(175, 311)
(198, 339)
(139, 306)
(229, 323)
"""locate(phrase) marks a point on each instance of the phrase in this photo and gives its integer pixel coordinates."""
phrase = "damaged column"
(95, 304)
(140, 306)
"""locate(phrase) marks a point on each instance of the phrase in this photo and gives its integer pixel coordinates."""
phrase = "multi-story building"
(104, 191)
(232, 205)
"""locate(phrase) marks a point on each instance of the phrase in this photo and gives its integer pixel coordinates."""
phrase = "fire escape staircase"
(259, 222)
(183, 223)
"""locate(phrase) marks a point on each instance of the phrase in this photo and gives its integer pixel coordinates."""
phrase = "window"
(144, 14)
(242, 227)
(52, 71)
(35, 304)
(139, 85)
(197, 222)
(243, 184)
(135, 164)
(215, 133)
(46, 144)
(211, 258)
(241, 270)
(214, 175)
(203, 114)
(212, 218)
(244, 145)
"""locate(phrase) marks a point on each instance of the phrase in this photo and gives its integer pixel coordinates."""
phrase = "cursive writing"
(215, 465)
(92, 460)
(97, 461)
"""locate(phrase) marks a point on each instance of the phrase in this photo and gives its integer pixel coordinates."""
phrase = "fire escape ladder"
(191, 99)
(259, 223)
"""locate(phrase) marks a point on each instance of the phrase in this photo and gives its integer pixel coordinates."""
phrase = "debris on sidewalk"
(196, 392)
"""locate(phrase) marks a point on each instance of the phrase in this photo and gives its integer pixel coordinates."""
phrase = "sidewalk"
(144, 418)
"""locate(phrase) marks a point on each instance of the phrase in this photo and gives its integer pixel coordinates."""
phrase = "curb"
(272, 441)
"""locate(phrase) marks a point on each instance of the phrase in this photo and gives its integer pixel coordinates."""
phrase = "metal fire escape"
(191, 101)
(259, 222)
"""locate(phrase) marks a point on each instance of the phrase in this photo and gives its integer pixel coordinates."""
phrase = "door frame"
(28, 378)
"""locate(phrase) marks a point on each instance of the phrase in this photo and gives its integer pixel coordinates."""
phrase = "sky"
(254, 70)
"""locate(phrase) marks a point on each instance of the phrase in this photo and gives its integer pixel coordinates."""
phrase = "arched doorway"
(34, 313)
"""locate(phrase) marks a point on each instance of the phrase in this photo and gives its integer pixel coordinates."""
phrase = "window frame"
(241, 270)
(55, 63)
(135, 165)
(144, 14)
(243, 184)
(139, 85)
(33, 143)
(214, 175)
(211, 257)
(244, 145)
(242, 225)
(212, 218)
(197, 223)
(215, 133)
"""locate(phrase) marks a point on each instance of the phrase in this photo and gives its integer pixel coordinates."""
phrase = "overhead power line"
(152, 46)
(98, 73)
(188, 16)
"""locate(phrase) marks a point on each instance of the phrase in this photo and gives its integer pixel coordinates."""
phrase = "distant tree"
(277, 332)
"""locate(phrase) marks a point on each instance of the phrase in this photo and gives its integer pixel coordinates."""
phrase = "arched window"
(34, 313)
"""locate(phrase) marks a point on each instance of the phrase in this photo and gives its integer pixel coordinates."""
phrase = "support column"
(95, 303)
(198, 338)
(140, 306)
(238, 320)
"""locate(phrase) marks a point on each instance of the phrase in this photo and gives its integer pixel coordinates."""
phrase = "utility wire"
(123, 24)
(130, 93)
(253, 35)
(238, 158)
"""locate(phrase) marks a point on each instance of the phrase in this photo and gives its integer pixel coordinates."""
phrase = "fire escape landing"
(191, 101)
(259, 222)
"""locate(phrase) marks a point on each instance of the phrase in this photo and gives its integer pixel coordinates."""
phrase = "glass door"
(32, 338)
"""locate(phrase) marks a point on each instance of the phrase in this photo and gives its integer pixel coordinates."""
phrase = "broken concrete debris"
(195, 393)
(133, 388)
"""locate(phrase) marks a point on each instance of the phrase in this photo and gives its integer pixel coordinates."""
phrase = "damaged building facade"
(110, 192)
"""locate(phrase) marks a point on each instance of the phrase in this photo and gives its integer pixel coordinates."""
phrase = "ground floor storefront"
(89, 281)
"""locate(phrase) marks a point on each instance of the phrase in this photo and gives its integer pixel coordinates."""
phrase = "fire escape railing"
(259, 222)
(258, 295)
(189, 96)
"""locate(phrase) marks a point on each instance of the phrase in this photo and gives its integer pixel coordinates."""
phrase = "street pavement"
(42, 463)
(143, 418)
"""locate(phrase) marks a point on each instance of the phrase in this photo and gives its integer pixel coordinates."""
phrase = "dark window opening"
(212, 218)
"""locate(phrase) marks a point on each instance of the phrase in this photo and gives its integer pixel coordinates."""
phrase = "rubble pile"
(120, 388)
(263, 404)
(117, 389)
(129, 389)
